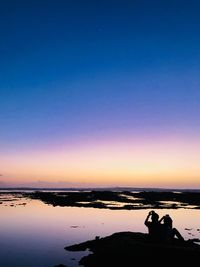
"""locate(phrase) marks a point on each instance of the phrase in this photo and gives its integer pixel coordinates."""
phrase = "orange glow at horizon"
(170, 163)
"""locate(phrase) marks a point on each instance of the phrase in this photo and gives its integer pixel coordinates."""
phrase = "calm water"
(34, 234)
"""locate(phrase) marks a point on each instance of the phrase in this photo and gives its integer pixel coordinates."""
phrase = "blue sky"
(71, 70)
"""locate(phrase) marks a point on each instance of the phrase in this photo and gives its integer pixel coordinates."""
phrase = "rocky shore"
(130, 248)
(120, 200)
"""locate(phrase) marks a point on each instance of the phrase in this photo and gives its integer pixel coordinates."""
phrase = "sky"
(100, 93)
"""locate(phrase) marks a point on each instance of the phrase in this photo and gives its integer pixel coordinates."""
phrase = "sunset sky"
(100, 93)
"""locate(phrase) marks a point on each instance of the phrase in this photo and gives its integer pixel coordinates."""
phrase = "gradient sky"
(100, 93)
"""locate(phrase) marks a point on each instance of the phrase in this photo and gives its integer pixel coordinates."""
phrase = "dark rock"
(127, 200)
(129, 248)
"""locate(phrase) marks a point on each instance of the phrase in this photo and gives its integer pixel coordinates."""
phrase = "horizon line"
(97, 187)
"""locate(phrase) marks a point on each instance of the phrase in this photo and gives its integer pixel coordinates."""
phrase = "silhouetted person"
(167, 221)
(168, 230)
(153, 225)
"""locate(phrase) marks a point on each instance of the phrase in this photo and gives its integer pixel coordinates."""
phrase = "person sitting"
(168, 230)
(153, 225)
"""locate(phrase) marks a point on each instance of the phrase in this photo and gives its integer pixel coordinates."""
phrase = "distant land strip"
(107, 199)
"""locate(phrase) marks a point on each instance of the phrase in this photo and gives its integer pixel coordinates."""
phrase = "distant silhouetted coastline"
(139, 189)
(115, 199)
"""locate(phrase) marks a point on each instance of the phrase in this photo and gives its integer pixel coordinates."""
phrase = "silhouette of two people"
(161, 230)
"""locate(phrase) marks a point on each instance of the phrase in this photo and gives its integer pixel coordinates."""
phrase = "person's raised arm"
(147, 219)
(161, 219)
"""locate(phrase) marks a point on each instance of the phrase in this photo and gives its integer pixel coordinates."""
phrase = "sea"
(34, 234)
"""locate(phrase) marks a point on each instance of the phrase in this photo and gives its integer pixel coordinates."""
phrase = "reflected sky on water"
(34, 234)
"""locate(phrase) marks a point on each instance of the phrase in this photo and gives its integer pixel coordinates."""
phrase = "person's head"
(167, 221)
(154, 216)
(167, 218)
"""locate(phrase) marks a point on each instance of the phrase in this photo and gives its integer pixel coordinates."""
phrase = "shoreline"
(116, 200)
(124, 248)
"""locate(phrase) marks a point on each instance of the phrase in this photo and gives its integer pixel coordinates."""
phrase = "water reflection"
(34, 234)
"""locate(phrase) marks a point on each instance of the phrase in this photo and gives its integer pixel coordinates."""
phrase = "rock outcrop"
(130, 248)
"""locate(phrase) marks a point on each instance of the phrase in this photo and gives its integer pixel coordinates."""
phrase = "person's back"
(168, 230)
(167, 221)
(153, 225)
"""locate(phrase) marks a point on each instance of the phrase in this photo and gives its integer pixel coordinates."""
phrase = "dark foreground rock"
(129, 249)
